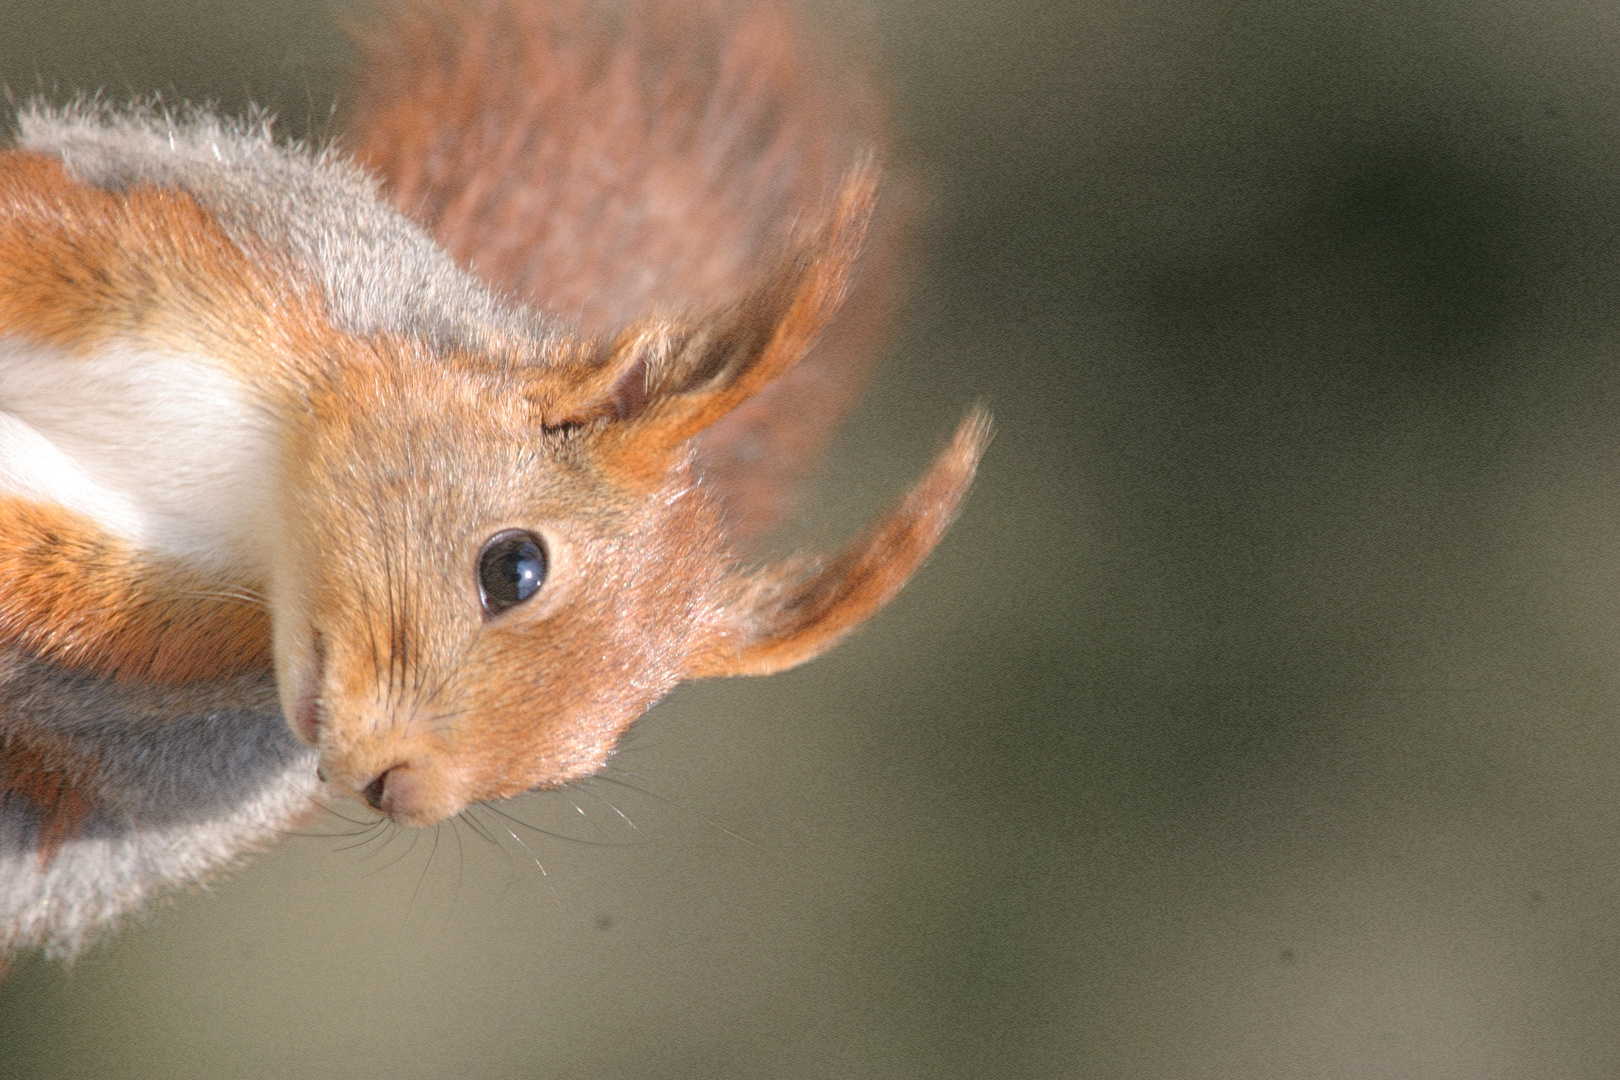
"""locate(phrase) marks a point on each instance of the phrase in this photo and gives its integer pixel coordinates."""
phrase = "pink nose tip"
(406, 796)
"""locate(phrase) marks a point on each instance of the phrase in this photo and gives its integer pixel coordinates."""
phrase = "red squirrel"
(416, 468)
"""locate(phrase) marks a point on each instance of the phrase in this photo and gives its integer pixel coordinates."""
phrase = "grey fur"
(187, 781)
(378, 270)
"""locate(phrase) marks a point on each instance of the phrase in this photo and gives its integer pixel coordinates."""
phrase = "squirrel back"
(459, 533)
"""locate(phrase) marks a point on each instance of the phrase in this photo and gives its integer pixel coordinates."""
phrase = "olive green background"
(1261, 716)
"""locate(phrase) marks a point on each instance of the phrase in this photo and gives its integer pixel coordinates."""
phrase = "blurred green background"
(1259, 718)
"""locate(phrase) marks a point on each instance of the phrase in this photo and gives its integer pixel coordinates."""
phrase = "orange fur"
(79, 265)
(716, 365)
(52, 776)
(84, 599)
(810, 613)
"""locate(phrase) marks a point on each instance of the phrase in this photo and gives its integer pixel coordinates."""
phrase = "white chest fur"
(164, 450)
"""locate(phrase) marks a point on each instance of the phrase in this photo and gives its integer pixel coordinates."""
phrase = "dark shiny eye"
(511, 568)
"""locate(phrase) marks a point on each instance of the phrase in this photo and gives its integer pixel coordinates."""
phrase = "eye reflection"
(511, 569)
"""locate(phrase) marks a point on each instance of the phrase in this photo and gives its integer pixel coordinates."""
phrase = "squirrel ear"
(671, 380)
(788, 617)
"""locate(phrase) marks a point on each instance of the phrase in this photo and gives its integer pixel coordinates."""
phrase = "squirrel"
(417, 468)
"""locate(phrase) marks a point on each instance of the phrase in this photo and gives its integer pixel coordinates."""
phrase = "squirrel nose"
(372, 793)
(400, 777)
(409, 797)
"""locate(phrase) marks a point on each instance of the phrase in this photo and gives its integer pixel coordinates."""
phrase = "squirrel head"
(491, 568)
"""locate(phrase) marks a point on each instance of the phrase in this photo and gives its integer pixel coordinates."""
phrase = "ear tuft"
(791, 617)
(699, 373)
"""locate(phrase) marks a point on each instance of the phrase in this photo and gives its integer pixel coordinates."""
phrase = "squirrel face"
(422, 690)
